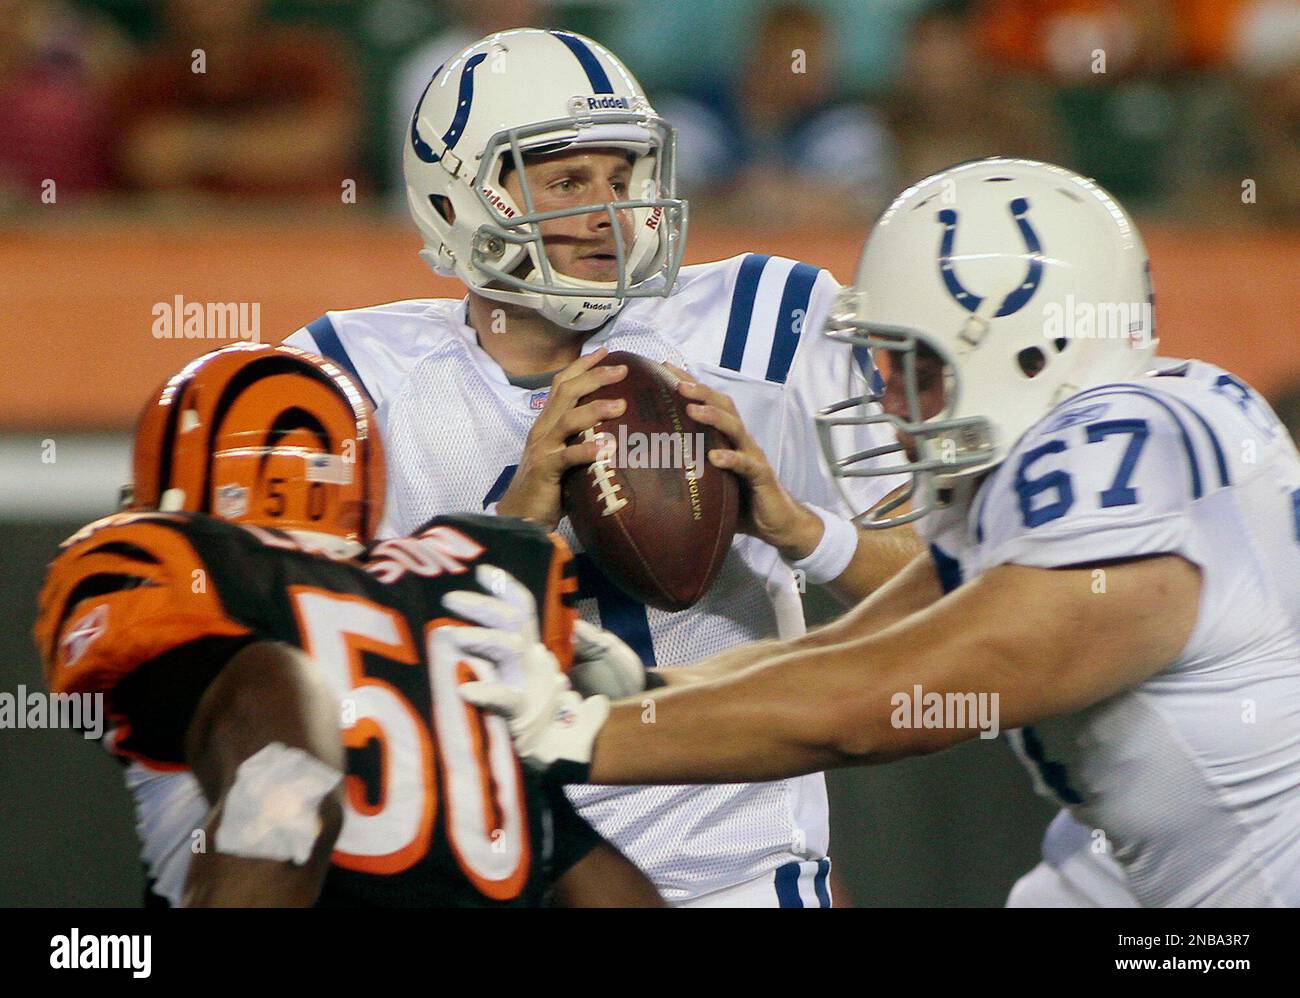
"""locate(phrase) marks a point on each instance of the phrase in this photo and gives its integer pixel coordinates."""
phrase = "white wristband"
(833, 552)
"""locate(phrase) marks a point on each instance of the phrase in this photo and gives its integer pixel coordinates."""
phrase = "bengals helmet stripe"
(266, 435)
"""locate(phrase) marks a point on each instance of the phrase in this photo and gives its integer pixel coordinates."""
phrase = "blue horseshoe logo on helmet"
(1019, 297)
(463, 100)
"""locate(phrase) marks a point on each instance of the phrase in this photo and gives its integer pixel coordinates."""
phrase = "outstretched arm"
(909, 591)
(264, 745)
(1040, 639)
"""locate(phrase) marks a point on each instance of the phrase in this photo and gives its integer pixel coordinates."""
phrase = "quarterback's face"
(583, 245)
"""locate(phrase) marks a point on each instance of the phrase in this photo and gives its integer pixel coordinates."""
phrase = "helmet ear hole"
(1031, 361)
(442, 205)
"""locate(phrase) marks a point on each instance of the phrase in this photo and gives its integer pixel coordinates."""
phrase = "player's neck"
(520, 340)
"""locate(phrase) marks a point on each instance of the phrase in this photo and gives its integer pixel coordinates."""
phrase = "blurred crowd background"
(1170, 103)
(160, 151)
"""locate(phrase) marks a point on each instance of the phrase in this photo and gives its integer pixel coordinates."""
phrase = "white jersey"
(1078, 871)
(456, 427)
(1193, 775)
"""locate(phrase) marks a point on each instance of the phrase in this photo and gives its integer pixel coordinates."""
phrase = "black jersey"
(147, 608)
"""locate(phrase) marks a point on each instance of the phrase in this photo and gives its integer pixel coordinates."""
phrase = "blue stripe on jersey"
(500, 485)
(787, 885)
(980, 503)
(742, 309)
(819, 883)
(795, 298)
(1121, 389)
(862, 356)
(618, 611)
(1219, 457)
(595, 71)
(948, 567)
(331, 347)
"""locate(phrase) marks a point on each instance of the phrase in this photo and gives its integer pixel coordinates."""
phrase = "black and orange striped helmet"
(265, 435)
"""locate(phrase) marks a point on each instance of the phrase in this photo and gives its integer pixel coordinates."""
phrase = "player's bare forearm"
(909, 588)
(268, 694)
(881, 554)
(605, 878)
(216, 880)
(1015, 633)
(908, 591)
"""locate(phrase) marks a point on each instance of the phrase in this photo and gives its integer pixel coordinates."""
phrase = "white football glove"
(549, 722)
(603, 664)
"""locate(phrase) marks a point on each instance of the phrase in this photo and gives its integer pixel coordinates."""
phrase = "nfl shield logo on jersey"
(538, 399)
(232, 501)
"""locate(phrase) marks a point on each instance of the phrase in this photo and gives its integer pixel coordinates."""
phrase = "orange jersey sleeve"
(121, 592)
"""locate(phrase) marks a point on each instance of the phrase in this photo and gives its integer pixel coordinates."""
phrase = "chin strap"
(580, 314)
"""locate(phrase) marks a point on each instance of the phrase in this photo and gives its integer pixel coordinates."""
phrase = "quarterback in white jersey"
(525, 155)
(1114, 566)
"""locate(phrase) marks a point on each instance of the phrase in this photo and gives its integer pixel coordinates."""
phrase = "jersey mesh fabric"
(451, 433)
(1194, 774)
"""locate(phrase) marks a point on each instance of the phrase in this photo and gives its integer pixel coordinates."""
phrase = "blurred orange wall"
(76, 306)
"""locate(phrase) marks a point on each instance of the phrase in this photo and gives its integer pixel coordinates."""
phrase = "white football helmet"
(532, 91)
(1028, 281)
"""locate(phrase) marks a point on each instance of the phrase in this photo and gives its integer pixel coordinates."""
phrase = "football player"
(236, 619)
(541, 177)
(1114, 562)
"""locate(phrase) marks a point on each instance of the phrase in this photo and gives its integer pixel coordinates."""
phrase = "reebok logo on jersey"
(81, 635)
(231, 502)
(1085, 414)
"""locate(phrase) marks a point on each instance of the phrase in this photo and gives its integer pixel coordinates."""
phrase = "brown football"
(653, 512)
